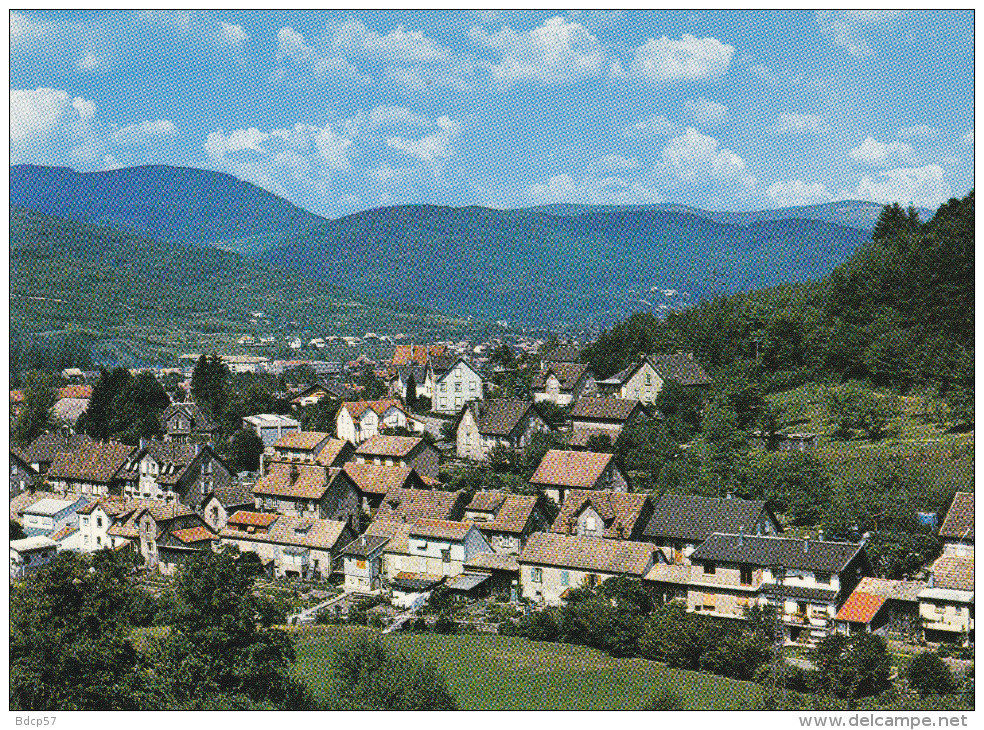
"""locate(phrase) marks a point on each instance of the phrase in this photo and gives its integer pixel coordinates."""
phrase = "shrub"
(664, 700)
(445, 625)
(929, 675)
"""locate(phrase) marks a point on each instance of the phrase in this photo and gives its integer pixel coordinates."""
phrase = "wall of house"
(545, 584)
(23, 564)
(94, 528)
(939, 615)
(362, 574)
(643, 386)
(292, 506)
(345, 426)
(460, 385)
(20, 479)
(505, 543)
(957, 548)
(469, 440)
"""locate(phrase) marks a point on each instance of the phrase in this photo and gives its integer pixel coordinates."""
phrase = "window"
(85, 522)
(746, 575)
(565, 578)
(589, 523)
(445, 556)
(710, 568)
(360, 564)
(822, 577)
(472, 386)
(536, 575)
(99, 540)
(939, 609)
(457, 387)
(99, 522)
(444, 387)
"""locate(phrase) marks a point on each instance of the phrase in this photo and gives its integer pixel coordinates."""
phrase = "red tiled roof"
(357, 408)
(194, 534)
(571, 468)
(861, 607)
(75, 391)
(257, 519)
(440, 529)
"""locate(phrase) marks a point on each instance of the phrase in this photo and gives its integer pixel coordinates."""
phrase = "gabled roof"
(508, 512)
(768, 551)
(861, 607)
(173, 457)
(619, 510)
(192, 535)
(419, 354)
(300, 481)
(953, 572)
(301, 440)
(48, 445)
(92, 461)
(568, 374)
(234, 494)
(617, 410)
(68, 410)
(419, 504)
(577, 469)
(247, 518)
(499, 416)
(443, 369)
(379, 479)
(588, 553)
(959, 522)
(379, 407)
(691, 518)
(440, 529)
(366, 545)
(200, 421)
(393, 446)
(82, 392)
(334, 453)
(668, 573)
(305, 532)
(680, 367)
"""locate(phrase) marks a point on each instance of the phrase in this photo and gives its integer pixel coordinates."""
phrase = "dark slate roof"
(499, 416)
(563, 353)
(199, 419)
(767, 551)
(92, 461)
(959, 522)
(234, 494)
(365, 546)
(604, 409)
(681, 368)
(692, 519)
(49, 445)
(568, 374)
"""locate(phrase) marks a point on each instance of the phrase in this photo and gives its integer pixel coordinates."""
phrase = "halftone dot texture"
(380, 167)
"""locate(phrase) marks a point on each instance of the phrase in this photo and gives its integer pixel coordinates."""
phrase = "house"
(362, 563)
(439, 548)
(358, 421)
(562, 352)
(594, 513)
(187, 422)
(311, 395)
(29, 554)
(226, 500)
(406, 451)
(400, 376)
(93, 469)
(681, 522)
(885, 607)
(643, 380)
(503, 572)
(458, 385)
(562, 383)
(483, 425)
(806, 580)
(374, 482)
(602, 417)
(48, 516)
(312, 447)
(295, 546)
(506, 520)
(416, 354)
(306, 490)
(22, 474)
(98, 517)
(25, 499)
(946, 604)
(173, 471)
(270, 427)
(551, 564)
(410, 505)
(149, 525)
(560, 471)
(66, 411)
(43, 450)
(957, 530)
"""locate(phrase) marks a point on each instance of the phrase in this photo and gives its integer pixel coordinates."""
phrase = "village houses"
(596, 513)
(562, 383)
(173, 471)
(560, 471)
(506, 520)
(459, 385)
(404, 451)
(643, 380)
(308, 490)
(483, 425)
(358, 421)
(602, 417)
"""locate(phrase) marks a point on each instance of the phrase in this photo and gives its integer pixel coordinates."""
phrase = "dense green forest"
(898, 314)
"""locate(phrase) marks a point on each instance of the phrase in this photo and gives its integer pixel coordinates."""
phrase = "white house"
(360, 420)
(563, 383)
(271, 427)
(30, 554)
(438, 548)
(48, 516)
(459, 385)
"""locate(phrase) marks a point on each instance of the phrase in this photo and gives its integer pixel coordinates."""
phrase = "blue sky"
(348, 110)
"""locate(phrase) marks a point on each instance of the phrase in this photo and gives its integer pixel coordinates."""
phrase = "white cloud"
(654, 126)
(920, 130)
(433, 147)
(688, 59)
(144, 132)
(879, 154)
(399, 45)
(48, 126)
(705, 112)
(796, 192)
(968, 137)
(292, 50)
(555, 52)
(850, 29)
(922, 186)
(798, 124)
(234, 34)
(594, 190)
(88, 62)
(693, 157)
(392, 116)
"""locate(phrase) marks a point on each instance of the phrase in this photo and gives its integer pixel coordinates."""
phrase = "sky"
(347, 110)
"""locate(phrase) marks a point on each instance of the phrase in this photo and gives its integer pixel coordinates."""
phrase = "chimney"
(363, 543)
(294, 473)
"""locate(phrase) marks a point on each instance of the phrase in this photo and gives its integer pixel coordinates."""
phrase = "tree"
(136, 412)
(321, 416)
(681, 404)
(35, 417)
(673, 636)
(718, 447)
(16, 531)
(503, 355)
(851, 667)
(411, 399)
(369, 676)
(208, 384)
(929, 675)
(372, 387)
(215, 646)
(792, 482)
(853, 407)
(96, 421)
(70, 646)
(245, 449)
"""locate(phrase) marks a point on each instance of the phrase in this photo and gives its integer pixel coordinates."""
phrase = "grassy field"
(488, 672)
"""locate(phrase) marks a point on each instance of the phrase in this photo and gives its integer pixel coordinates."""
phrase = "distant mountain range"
(553, 264)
